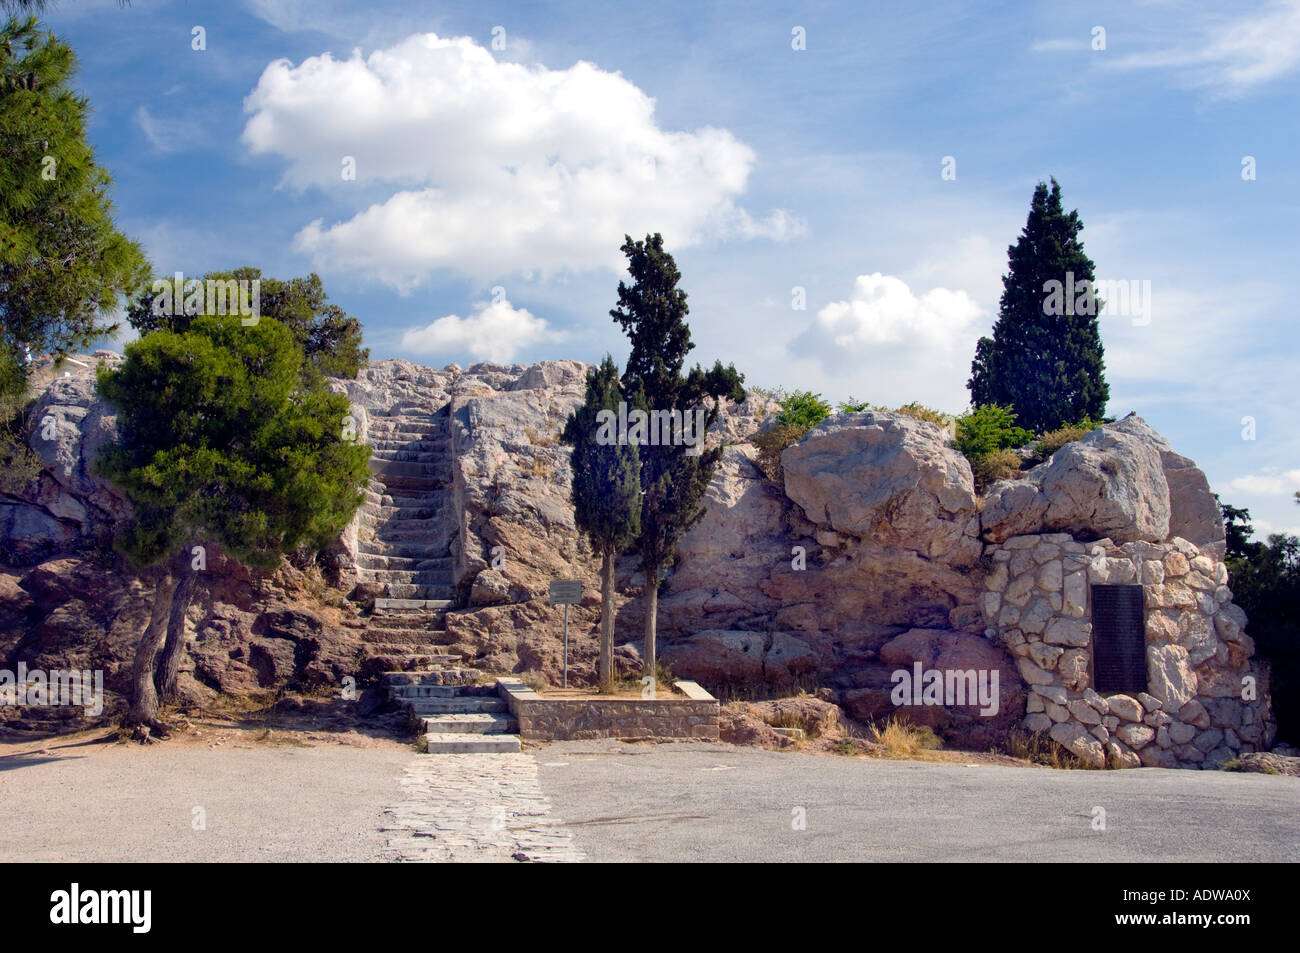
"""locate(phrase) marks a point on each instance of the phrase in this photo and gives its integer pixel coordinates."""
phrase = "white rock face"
(1111, 483)
(725, 559)
(70, 427)
(1193, 513)
(886, 478)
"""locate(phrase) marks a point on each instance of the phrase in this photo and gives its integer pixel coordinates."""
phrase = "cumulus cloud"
(1268, 483)
(498, 167)
(494, 331)
(907, 346)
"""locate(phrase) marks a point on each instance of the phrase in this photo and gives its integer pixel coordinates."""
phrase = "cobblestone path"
(475, 807)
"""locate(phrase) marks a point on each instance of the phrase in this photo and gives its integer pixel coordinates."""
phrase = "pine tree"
(606, 494)
(63, 264)
(328, 335)
(1045, 358)
(652, 312)
(221, 440)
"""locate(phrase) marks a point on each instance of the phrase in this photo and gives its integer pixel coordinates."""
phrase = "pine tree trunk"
(651, 612)
(605, 671)
(144, 702)
(169, 665)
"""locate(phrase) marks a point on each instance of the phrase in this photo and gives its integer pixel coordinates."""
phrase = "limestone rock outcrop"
(874, 556)
(1109, 484)
(1194, 514)
(887, 479)
(69, 426)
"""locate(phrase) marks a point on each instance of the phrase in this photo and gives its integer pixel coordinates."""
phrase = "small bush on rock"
(772, 444)
(988, 428)
(986, 435)
(803, 409)
(1053, 440)
(921, 412)
(988, 468)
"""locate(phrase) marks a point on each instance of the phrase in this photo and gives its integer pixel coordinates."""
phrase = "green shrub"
(1053, 440)
(988, 428)
(921, 412)
(772, 444)
(19, 465)
(803, 409)
(991, 467)
(853, 405)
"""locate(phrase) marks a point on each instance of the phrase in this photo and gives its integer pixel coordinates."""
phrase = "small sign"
(566, 592)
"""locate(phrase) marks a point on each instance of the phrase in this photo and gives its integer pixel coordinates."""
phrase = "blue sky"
(495, 180)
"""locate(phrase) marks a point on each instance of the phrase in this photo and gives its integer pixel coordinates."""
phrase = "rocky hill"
(876, 549)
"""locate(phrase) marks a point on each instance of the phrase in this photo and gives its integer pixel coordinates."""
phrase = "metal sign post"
(566, 592)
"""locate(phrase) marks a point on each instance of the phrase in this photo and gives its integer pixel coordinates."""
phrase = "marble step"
(472, 723)
(458, 706)
(382, 562)
(456, 743)
(395, 603)
(405, 549)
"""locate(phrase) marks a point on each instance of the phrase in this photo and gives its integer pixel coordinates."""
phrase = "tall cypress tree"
(1045, 358)
(606, 494)
(652, 312)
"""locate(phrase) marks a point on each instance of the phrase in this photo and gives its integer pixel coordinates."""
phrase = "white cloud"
(1233, 57)
(907, 347)
(974, 263)
(495, 331)
(1264, 529)
(1267, 483)
(168, 135)
(500, 167)
(1068, 45)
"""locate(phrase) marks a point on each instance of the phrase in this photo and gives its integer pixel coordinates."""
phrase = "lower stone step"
(411, 638)
(456, 743)
(457, 706)
(413, 593)
(409, 693)
(472, 723)
(385, 602)
(436, 654)
(400, 677)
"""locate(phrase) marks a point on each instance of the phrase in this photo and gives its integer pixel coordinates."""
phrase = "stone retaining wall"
(1200, 708)
(691, 712)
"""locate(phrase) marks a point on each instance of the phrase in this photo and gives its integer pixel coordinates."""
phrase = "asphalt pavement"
(709, 802)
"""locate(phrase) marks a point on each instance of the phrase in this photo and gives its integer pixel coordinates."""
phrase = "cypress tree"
(606, 494)
(1045, 358)
(652, 312)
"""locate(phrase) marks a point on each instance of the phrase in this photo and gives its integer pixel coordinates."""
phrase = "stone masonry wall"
(1199, 709)
(574, 719)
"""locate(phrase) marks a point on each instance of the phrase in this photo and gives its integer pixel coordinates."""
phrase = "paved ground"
(475, 807)
(131, 803)
(714, 802)
(610, 801)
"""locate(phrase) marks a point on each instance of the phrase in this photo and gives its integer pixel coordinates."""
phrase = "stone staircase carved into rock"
(455, 718)
(404, 547)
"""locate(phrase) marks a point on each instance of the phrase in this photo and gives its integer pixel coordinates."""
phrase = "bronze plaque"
(1119, 651)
